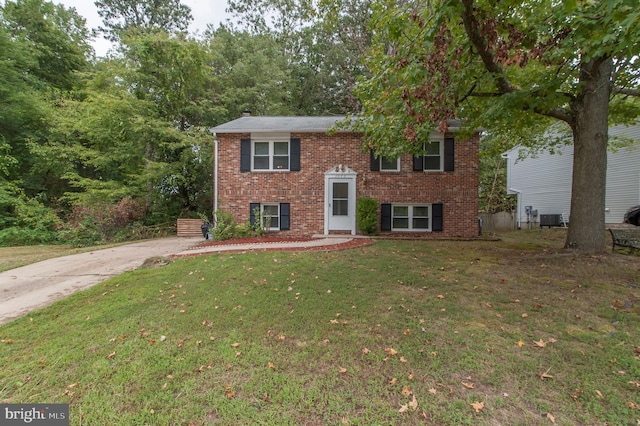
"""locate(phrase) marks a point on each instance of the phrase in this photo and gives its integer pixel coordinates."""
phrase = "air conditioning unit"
(550, 220)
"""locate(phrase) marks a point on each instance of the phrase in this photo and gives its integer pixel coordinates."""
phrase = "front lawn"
(399, 332)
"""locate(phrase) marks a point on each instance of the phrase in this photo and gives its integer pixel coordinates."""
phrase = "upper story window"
(383, 163)
(270, 152)
(389, 164)
(437, 155)
(433, 155)
(270, 155)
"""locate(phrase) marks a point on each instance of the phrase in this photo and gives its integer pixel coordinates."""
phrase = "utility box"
(550, 220)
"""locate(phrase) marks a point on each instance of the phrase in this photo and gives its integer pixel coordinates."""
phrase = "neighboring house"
(543, 182)
(306, 182)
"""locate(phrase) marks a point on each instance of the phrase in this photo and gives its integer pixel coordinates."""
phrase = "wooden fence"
(189, 227)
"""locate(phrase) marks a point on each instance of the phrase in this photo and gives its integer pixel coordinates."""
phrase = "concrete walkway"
(34, 286)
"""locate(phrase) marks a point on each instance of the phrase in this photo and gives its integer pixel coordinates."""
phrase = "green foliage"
(26, 221)
(124, 18)
(367, 215)
(225, 228)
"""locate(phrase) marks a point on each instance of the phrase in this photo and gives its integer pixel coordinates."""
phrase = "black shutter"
(374, 161)
(449, 154)
(245, 155)
(294, 154)
(436, 218)
(285, 222)
(418, 164)
(252, 215)
(385, 217)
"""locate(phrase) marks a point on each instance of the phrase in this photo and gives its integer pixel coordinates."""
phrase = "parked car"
(632, 216)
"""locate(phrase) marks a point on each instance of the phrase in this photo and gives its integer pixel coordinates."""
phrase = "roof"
(249, 124)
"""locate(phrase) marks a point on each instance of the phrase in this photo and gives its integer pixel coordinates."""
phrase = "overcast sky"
(204, 12)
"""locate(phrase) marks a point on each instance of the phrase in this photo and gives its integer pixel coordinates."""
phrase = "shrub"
(225, 226)
(367, 215)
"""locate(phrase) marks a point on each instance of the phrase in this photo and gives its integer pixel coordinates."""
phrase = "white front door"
(340, 218)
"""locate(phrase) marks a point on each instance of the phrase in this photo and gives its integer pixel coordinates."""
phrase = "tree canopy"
(511, 68)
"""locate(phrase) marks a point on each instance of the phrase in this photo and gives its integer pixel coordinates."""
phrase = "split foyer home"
(304, 181)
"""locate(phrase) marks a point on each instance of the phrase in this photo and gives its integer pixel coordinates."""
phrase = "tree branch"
(487, 56)
(625, 91)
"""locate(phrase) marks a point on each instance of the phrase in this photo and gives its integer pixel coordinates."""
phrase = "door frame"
(342, 174)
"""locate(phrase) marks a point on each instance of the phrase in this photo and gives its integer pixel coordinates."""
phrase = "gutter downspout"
(518, 202)
(215, 179)
(513, 190)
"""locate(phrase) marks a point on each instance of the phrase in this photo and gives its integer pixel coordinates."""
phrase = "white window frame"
(271, 139)
(397, 168)
(262, 215)
(440, 155)
(410, 217)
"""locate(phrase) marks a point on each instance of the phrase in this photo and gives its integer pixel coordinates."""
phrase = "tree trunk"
(590, 136)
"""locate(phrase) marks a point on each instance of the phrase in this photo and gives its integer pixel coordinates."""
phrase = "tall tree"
(56, 37)
(323, 43)
(512, 67)
(135, 17)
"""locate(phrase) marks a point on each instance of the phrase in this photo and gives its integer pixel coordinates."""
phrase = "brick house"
(306, 182)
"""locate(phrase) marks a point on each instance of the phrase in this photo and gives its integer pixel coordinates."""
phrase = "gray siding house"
(543, 182)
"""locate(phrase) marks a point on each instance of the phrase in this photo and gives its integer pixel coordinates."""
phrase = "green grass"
(344, 337)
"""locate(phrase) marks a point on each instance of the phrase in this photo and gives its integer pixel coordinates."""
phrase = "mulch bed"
(355, 242)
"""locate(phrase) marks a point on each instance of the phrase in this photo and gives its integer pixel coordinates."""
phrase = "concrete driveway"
(37, 285)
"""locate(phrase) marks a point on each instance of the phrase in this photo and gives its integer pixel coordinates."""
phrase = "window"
(437, 155)
(410, 218)
(271, 155)
(275, 216)
(433, 156)
(270, 216)
(389, 164)
(383, 163)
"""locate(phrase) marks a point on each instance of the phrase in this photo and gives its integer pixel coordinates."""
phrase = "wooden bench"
(626, 237)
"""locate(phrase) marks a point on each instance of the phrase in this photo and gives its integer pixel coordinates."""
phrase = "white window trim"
(397, 169)
(410, 217)
(271, 155)
(440, 141)
(271, 138)
(277, 205)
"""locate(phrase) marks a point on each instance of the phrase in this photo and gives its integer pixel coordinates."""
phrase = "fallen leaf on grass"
(478, 406)
(271, 365)
(342, 370)
(525, 315)
(391, 351)
(520, 343)
(404, 408)
(365, 351)
(235, 345)
(433, 391)
(414, 403)
(551, 417)
(541, 343)
(393, 381)
(406, 391)
(467, 385)
(599, 394)
(545, 376)
(111, 355)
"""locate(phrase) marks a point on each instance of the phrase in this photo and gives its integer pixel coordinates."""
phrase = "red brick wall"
(304, 190)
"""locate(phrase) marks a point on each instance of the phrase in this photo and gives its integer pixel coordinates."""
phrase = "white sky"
(204, 12)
